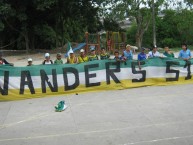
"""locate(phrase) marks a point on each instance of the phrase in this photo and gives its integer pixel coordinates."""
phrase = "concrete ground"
(140, 116)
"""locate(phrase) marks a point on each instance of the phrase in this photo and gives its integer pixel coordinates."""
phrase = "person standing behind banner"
(127, 54)
(82, 58)
(93, 55)
(58, 59)
(104, 55)
(168, 53)
(117, 57)
(72, 59)
(185, 53)
(29, 61)
(153, 53)
(4, 61)
(141, 56)
(47, 59)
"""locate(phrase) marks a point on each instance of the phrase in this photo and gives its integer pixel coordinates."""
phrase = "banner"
(18, 83)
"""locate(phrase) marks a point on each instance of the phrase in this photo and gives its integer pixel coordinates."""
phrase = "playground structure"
(92, 40)
(115, 41)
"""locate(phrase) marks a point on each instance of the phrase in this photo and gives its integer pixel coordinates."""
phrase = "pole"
(153, 21)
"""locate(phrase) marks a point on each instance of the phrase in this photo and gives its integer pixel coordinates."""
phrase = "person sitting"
(153, 53)
(4, 61)
(93, 55)
(72, 58)
(127, 54)
(82, 58)
(47, 59)
(29, 61)
(141, 56)
(58, 59)
(185, 53)
(168, 53)
(104, 55)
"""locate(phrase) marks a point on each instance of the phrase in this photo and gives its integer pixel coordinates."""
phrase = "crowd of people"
(127, 54)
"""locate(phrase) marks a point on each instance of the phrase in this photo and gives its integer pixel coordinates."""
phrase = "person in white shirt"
(47, 59)
(153, 53)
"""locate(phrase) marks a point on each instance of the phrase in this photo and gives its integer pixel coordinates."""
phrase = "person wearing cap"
(153, 53)
(4, 61)
(141, 56)
(104, 55)
(72, 58)
(58, 59)
(127, 53)
(29, 61)
(82, 58)
(168, 53)
(93, 55)
(47, 59)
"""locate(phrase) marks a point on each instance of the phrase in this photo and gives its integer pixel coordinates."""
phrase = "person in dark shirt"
(141, 56)
(117, 56)
(4, 61)
(104, 54)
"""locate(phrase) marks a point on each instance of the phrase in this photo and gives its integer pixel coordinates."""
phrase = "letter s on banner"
(168, 70)
(143, 72)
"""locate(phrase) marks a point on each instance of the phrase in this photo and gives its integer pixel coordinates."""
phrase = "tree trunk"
(32, 44)
(27, 43)
(139, 40)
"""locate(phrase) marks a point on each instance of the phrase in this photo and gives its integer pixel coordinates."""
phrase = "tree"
(46, 23)
(140, 10)
(184, 26)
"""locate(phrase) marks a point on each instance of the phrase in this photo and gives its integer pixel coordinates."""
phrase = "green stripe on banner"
(35, 69)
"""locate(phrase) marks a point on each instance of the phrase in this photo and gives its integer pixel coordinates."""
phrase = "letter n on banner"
(24, 75)
(66, 79)
(4, 91)
(44, 79)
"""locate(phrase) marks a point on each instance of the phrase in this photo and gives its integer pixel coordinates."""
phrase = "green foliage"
(184, 26)
(1, 26)
(51, 23)
(46, 34)
(46, 23)
(170, 42)
(131, 32)
(111, 25)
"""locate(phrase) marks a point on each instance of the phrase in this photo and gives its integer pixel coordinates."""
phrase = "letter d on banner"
(66, 83)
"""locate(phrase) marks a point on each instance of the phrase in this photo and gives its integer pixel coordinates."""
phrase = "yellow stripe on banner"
(125, 84)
